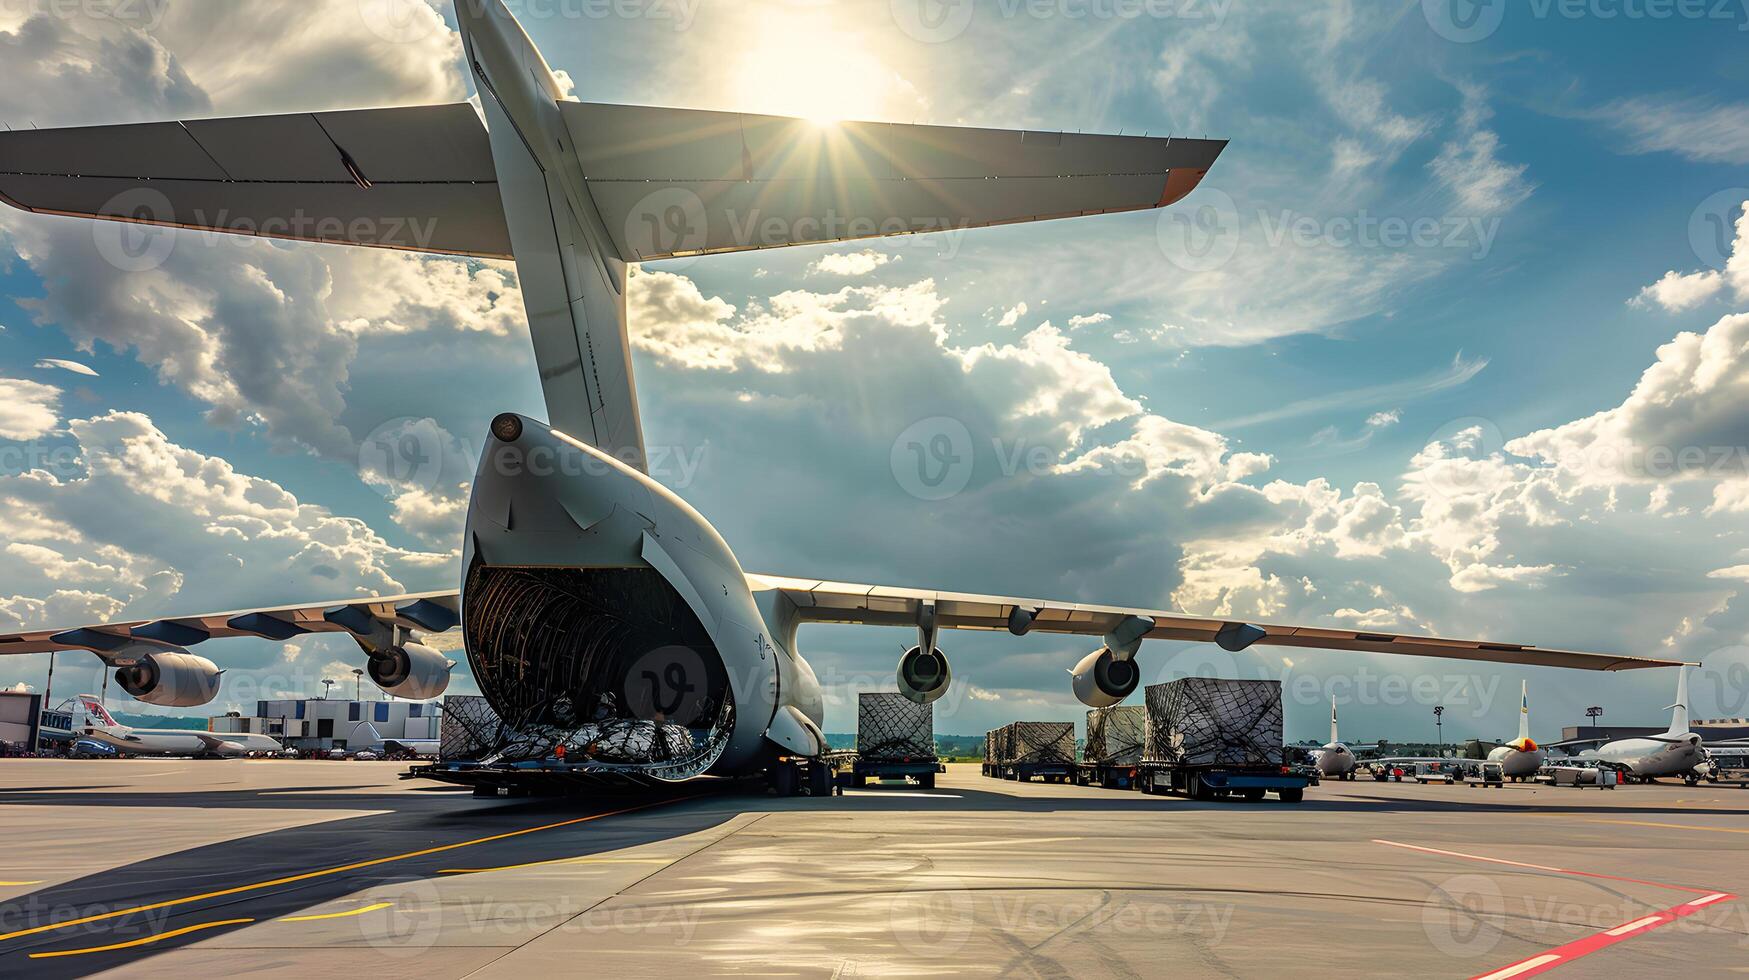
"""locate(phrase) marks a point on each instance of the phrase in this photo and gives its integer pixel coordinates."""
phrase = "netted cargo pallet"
(1038, 742)
(892, 726)
(1114, 735)
(470, 729)
(1210, 721)
(990, 746)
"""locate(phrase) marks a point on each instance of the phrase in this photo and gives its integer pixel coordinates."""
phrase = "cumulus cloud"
(850, 263)
(28, 409)
(1686, 418)
(1012, 315)
(1088, 320)
(1679, 291)
(146, 524)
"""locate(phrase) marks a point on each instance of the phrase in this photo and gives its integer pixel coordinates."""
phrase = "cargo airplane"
(596, 606)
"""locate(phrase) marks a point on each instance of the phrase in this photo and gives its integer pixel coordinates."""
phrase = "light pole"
(1439, 723)
(326, 684)
(358, 683)
(1594, 712)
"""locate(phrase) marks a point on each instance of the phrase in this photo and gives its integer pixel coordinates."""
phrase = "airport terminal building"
(317, 724)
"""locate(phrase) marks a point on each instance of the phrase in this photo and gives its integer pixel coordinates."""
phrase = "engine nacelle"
(1103, 679)
(924, 677)
(171, 679)
(412, 670)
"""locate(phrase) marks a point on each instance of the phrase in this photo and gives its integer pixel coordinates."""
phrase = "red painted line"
(1547, 960)
(1543, 867)
(1561, 955)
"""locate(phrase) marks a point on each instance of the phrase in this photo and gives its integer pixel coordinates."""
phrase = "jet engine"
(172, 679)
(411, 670)
(924, 677)
(1103, 679)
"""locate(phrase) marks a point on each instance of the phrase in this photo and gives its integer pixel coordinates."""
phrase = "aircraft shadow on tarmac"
(404, 823)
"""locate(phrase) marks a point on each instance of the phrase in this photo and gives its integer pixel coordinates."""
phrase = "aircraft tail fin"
(1679, 710)
(95, 709)
(1333, 737)
(1524, 710)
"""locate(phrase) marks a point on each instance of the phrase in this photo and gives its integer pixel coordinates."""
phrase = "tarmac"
(183, 868)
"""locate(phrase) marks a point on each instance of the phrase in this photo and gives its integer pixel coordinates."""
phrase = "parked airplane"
(1335, 760)
(589, 591)
(1645, 758)
(94, 722)
(1520, 758)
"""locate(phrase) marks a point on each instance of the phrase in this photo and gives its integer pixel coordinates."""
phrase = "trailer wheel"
(1292, 795)
(1251, 795)
(926, 781)
(784, 779)
(819, 779)
(858, 781)
(1198, 790)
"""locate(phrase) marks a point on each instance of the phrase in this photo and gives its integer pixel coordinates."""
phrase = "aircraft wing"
(430, 612)
(418, 178)
(671, 182)
(839, 602)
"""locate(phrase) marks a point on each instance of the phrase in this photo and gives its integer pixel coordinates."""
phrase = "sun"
(804, 67)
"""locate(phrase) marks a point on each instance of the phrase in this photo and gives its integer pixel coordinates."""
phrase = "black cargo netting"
(1025, 742)
(1199, 721)
(470, 729)
(1114, 735)
(892, 726)
(990, 747)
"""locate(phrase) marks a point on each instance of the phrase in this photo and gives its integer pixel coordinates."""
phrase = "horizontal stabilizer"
(418, 178)
(671, 182)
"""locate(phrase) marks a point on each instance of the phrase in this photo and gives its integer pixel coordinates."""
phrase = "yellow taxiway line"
(539, 864)
(337, 915)
(325, 872)
(185, 930)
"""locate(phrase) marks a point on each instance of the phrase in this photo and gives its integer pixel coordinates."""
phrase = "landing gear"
(785, 780)
(790, 777)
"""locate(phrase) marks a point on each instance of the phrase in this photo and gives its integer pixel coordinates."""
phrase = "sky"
(1454, 338)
